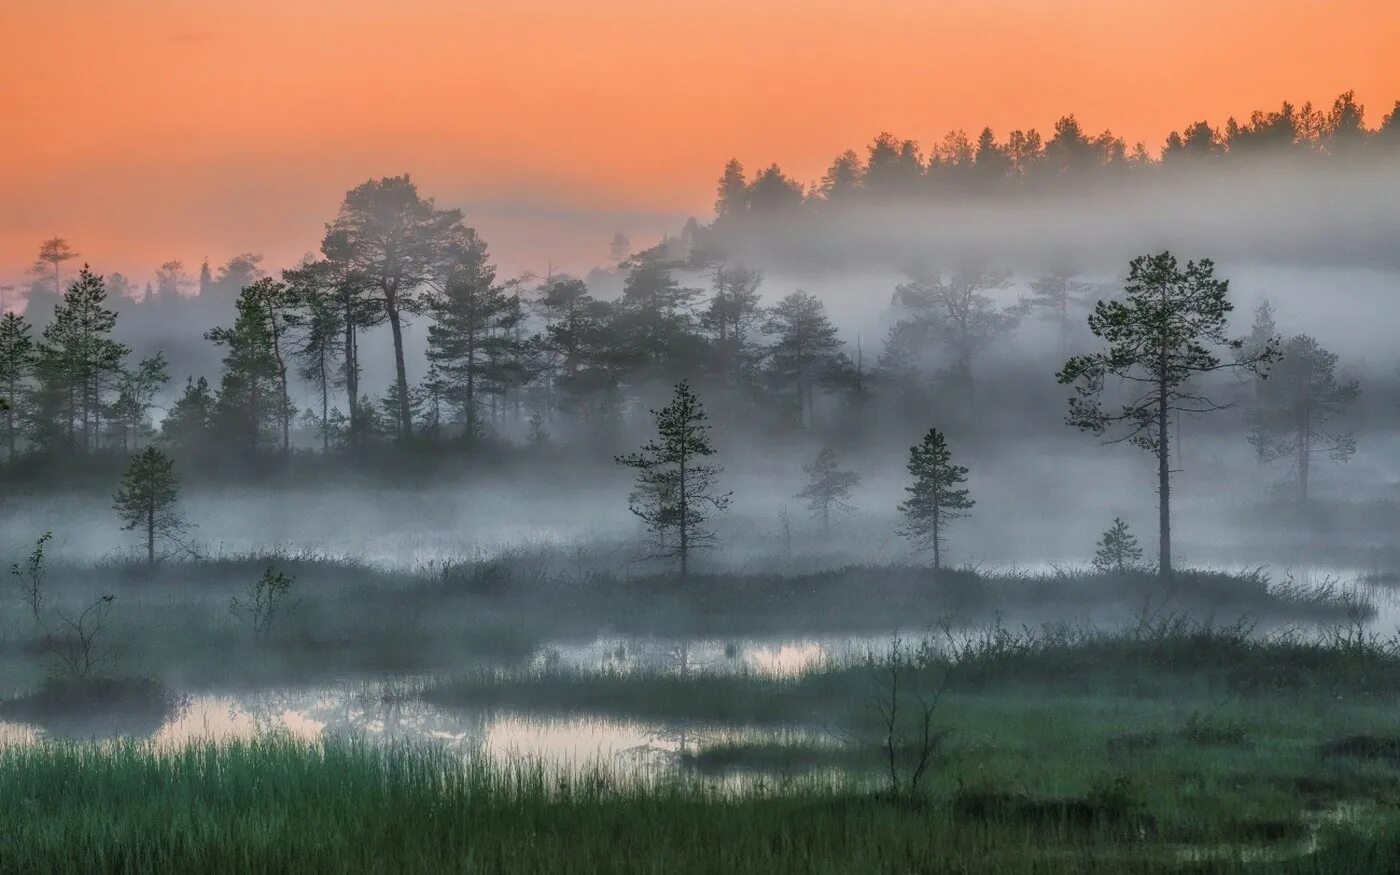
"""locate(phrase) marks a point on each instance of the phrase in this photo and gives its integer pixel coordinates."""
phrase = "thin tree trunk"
(1164, 494)
(685, 519)
(285, 412)
(325, 403)
(400, 372)
(352, 372)
(150, 536)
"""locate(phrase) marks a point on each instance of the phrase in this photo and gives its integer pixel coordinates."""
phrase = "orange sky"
(145, 130)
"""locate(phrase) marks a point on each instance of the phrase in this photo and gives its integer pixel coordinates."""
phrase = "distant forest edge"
(550, 359)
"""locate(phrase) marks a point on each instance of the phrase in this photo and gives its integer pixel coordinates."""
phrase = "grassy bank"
(1175, 659)
(275, 805)
(345, 619)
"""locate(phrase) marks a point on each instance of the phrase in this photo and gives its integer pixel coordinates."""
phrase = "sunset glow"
(144, 130)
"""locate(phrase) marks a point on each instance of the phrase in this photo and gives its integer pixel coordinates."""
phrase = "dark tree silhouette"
(675, 495)
(395, 242)
(935, 497)
(252, 399)
(805, 352)
(1299, 408)
(17, 355)
(52, 253)
(1159, 337)
(1118, 549)
(471, 339)
(186, 428)
(79, 364)
(146, 499)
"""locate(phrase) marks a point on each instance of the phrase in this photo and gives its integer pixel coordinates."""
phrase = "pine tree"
(146, 499)
(17, 356)
(394, 243)
(317, 346)
(935, 498)
(1057, 294)
(1118, 549)
(334, 283)
(186, 428)
(471, 340)
(390, 408)
(78, 367)
(1158, 338)
(732, 313)
(653, 330)
(827, 487)
(806, 353)
(251, 400)
(278, 303)
(675, 495)
(1299, 409)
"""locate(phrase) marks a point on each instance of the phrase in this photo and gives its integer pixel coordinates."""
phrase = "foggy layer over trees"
(908, 290)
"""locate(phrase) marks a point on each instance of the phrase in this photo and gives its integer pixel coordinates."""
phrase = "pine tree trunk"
(400, 372)
(150, 535)
(352, 375)
(325, 403)
(937, 538)
(1164, 494)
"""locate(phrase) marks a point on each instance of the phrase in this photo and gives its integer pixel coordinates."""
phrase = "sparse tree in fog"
(238, 273)
(1300, 408)
(1263, 331)
(1058, 295)
(1159, 337)
(146, 499)
(136, 395)
(828, 487)
(805, 353)
(17, 357)
(396, 242)
(1118, 549)
(675, 494)
(317, 346)
(52, 253)
(206, 279)
(935, 497)
(955, 313)
(731, 315)
(172, 281)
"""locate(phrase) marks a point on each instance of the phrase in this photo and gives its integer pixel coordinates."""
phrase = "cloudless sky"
(145, 130)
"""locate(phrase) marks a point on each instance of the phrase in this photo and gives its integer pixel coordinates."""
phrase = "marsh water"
(388, 709)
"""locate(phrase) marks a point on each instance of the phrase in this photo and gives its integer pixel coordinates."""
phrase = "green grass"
(278, 805)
